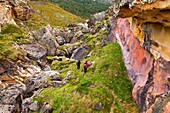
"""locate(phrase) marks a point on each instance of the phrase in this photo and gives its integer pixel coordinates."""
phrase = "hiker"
(109, 29)
(86, 65)
(78, 63)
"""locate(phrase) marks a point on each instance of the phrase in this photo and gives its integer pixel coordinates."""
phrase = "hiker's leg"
(85, 69)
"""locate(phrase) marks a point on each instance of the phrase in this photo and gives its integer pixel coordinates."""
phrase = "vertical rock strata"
(142, 29)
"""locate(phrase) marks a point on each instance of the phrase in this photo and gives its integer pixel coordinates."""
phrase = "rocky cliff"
(142, 30)
(11, 9)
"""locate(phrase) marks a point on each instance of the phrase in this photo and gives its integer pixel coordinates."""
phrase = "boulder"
(99, 16)
(49, 42)
(45, 38)
(93, 30)
(34, 51)
(41, 80)
(78, 35)
(25, 105)
(79, 53)
(60, 40)
(70, 50)
(69, 35)
(34, 106)
(98, 106)
(83, 27)
(56, 31)
(11, 97)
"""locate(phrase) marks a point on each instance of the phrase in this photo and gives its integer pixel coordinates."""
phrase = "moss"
(10, 29)
(10, 35)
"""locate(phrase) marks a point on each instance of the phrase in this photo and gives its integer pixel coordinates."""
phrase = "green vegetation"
(46, 13)
(106, 81)
(10, 35)
(83, 8)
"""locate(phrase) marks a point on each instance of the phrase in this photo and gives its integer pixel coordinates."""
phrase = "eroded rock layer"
(142, 28)
(10, 9)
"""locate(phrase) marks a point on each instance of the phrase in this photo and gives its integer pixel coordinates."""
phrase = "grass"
(46, 13)
(106, 81)
(9, 36)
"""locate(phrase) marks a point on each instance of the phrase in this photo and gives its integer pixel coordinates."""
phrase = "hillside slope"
(42, 14)
(46, 13)
(83, 8)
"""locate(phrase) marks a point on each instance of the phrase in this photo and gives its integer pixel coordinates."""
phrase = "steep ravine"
(50, 81)
(142, 30)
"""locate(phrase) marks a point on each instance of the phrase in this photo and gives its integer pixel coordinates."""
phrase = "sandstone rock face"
(144, 39)
(6, 15)
(10, 9)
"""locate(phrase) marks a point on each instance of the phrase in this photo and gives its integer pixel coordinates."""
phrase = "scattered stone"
(79, 35)
(34, 106)
(98, 106)
(99, 16)
(60, 40)
(68, 77)
(83, 27)
(25, 105)
(69, 35)
(47, 68)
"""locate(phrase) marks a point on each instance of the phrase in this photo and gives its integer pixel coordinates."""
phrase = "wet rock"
(98, 106)
(79, 53)
(34, 106)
